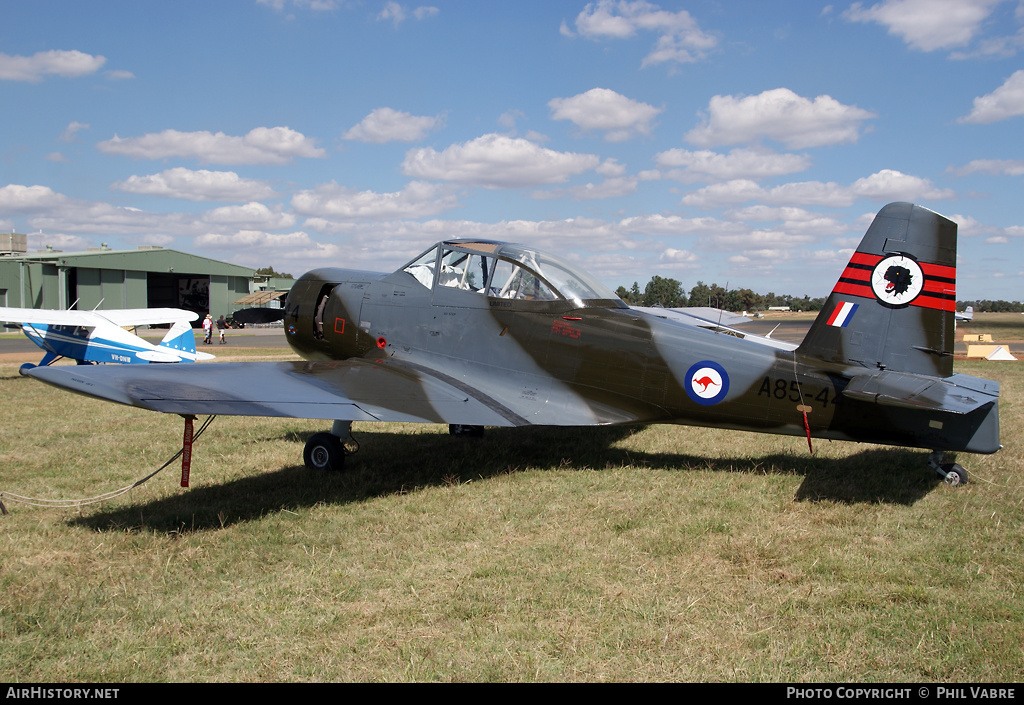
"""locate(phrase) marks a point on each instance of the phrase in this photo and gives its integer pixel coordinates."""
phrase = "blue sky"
(742, 143)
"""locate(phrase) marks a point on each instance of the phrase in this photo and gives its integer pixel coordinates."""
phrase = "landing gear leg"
(951, 473)
(326, 451)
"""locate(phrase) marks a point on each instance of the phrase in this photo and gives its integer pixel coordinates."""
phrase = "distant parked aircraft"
(98, 336)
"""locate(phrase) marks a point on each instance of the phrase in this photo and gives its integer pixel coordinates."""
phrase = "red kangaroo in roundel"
(704, 382)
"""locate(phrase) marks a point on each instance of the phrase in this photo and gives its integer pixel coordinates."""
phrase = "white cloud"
(705, 165)
(603, 109)
(759, 244)
(680, 39)
(927, 24)
(725, 194)
(496, 161)
(201, 185)
(262, 145)
(782, 115)
(387, 125)
(1004, 102)
(70, 133)
(609, 188)
(256, 247)
(25, 199)
(791, 219)
(392, 11)
(58, 241)
(673, 225)
(397, 13)
(891, 185)
(885, 185)
(1010, 167)
(332, 202)
(677, 257)
(67, 64)
(316, 5)
(250, 215)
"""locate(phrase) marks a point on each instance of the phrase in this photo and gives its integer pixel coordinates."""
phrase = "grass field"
(617, 554)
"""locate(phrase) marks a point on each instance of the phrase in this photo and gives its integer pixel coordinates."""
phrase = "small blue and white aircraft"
(89, 337)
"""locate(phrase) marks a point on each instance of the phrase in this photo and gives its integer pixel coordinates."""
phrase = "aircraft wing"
(146, 316)
(40, 315)
(715, 320)
(119, 317)
(702, 316)
(356, 390)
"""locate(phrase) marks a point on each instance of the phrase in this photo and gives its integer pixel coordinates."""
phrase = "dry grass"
(614, 554)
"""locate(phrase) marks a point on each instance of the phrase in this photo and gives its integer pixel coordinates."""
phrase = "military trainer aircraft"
(476, 333)
(88, 337)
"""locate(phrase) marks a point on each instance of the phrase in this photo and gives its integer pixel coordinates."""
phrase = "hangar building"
(149, 277)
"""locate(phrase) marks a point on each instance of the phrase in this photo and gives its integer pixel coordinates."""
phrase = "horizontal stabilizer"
(157, 356)
(958, 394)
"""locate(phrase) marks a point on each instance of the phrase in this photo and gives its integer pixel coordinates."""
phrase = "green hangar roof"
(150, 277)
(141, 260)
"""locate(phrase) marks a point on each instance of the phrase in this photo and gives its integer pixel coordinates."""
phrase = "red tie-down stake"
(186, 451)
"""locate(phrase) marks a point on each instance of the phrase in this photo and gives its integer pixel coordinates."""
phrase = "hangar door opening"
(188, 291)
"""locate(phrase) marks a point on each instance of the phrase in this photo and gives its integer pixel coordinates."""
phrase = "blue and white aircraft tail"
(88, 337)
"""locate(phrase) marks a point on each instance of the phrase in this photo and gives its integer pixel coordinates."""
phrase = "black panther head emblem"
(900, 279)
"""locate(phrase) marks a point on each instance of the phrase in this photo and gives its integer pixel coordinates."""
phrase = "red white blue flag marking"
(842, 314)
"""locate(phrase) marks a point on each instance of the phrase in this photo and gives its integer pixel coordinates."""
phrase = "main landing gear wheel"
(457, 429)
(324, 451)
(951, 473)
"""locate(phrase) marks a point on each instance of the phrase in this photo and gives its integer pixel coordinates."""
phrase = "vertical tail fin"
(894, 306)
(180, 337)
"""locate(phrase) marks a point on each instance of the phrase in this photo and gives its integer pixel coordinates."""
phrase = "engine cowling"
(321, 319)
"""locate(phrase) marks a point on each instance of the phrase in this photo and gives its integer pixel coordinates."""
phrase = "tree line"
(667, 292)
(987, 306)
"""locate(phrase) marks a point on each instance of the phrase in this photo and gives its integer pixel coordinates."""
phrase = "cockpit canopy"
(506, 271)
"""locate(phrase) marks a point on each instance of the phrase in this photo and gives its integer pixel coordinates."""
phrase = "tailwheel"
(324, 451)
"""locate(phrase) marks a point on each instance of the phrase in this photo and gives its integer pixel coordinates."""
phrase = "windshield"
(505, 271)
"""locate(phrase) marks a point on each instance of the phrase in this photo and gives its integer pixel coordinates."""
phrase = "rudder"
(894, 306)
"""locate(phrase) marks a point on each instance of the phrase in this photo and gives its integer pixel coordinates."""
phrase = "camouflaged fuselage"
(556, 363)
